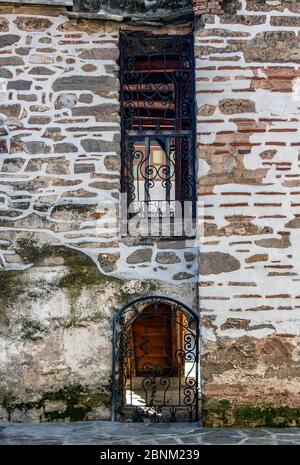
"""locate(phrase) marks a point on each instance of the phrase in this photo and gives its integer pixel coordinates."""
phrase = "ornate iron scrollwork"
(156, 381)
(158, 122)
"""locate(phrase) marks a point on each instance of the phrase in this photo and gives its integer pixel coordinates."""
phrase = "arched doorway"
(155, 362)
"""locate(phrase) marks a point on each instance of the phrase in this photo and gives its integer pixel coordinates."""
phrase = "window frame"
(175, 133)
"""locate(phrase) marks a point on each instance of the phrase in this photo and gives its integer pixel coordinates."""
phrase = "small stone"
(11, 61)
(53, 134)
(272, 46)
(268, 154)
(32, 24)
(65, 147)
(41, 70)
(17, 145)
(217, 262)
(171, 245)
(294, 223)
(207, 110)
(100, 54)
(35, 164)
(41, 59)
(112, 69)
(167, 258)
(11, 110)
(84, 168)
(229, 164)
(8, 39)
(108, 261)
(96, 84)
(182, 275)
(291, 183)
(19, 85)
(39, 120)
(45, 40)
(80, 193)
(58, 165)
(232, 106)
(88, 68)
(23, 51)
(285, 21)
(139, 256)
(257, 258)
(65, 101)
(4, 25)
(5, 73)
(49, 199)
(97, 145)
(35, 147)
(189, 256)
(39, 108)
(245, 20)
(105, 185)
(73, 25)
(86, 98)
(102, 112)
(112, 163)
(235, 323)
(46, 50)
(27, 98)
(11, 165)
(282, 243)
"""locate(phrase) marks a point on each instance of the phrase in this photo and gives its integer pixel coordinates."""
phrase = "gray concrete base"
(109, 433)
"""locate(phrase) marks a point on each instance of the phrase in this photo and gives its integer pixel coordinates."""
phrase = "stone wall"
(64, 269)
(248, 125)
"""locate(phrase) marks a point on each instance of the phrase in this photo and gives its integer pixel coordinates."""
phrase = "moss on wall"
(79, 277)
(31, 330)
(77, 402)
(30, 251)
(81, 273)
(224, 413)
(267, 415)
(33, 252)
(11, 286)
(147, 288)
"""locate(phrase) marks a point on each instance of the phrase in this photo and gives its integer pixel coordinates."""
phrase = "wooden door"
(155, 338)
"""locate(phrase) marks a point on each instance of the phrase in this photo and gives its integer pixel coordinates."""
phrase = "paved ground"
(107, 433)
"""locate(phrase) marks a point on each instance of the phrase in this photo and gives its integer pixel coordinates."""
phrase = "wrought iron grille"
(155, 365)
(158, 123)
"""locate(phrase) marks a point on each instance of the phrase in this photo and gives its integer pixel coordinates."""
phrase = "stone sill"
(146, 19)
(142, 19)
(101, 16)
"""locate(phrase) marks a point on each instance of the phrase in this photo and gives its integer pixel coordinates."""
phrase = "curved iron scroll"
(146, 390)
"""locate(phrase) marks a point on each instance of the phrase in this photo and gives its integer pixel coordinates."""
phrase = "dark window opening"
(158, 124)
